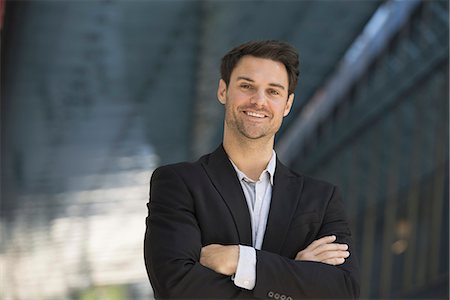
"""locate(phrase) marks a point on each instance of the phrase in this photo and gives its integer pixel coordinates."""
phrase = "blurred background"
(96, 94)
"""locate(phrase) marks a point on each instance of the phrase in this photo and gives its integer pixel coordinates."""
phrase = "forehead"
(261, 70)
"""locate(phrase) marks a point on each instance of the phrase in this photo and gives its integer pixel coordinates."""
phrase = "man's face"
(256, 99)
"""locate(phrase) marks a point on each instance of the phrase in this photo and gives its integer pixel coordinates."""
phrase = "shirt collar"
(270, 169)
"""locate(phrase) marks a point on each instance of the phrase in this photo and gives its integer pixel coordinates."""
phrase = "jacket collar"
(285, 199)
(224, 178)
(285, 194)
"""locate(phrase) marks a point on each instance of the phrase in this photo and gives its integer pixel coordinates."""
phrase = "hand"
(220, 258)
(325, 251)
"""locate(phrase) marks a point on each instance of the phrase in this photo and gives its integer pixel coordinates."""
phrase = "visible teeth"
(253, 114)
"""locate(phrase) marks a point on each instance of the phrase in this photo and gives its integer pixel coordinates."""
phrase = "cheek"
(282, 108)
(279, 109)
(230, 109)
(239, 95)
(237, 100)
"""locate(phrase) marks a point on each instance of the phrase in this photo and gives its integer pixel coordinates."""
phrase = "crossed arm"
(179, 266)
(223, 259)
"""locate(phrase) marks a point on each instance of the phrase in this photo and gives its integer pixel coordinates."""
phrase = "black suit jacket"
(195, 204)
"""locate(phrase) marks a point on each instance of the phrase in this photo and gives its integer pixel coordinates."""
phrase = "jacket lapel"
(285, 194)
(224, 178)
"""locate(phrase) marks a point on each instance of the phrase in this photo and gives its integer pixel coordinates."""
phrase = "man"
(238, 223)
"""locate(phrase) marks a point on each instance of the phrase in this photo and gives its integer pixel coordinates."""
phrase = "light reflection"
(402, 233)
(94, 237)
(400, 246)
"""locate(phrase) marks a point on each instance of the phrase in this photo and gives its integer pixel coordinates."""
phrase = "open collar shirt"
(258, 195)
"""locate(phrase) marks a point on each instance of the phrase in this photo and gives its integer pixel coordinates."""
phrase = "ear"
(288, 106)
(222, 91)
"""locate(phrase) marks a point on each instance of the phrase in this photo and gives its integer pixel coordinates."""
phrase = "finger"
(311, 256)
(333, 254)
(334, 261)
(330, 247)
(325, 240)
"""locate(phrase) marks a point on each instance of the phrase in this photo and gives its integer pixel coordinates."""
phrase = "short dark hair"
(270, 49)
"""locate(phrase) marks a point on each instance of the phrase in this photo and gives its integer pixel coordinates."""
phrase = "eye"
(274, 92)
(246, 86)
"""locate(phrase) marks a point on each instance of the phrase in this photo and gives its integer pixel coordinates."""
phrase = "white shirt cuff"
(245, 276)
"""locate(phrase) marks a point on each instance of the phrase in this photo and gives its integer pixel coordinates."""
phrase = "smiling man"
(238, 223)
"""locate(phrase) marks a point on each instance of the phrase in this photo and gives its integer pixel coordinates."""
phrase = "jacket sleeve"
(172, 244)
(284, 278)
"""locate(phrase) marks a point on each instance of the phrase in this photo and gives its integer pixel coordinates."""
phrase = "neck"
(250, 156)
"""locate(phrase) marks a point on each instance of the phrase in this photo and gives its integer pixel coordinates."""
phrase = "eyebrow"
(251, 80)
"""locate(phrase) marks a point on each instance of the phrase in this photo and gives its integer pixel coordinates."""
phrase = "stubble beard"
(244, 129)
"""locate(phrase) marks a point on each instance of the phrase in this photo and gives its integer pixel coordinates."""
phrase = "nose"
(259, 98)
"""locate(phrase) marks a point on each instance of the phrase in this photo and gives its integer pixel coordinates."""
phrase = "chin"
(254, 135)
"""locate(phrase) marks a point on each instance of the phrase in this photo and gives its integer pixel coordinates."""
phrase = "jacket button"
(277, 296)
(283, 297)
(289, 298)
(270, 294)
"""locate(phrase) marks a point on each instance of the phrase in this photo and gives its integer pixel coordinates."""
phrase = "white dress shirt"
(258, 195)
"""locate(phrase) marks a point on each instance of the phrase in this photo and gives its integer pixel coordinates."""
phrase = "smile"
(254, 114)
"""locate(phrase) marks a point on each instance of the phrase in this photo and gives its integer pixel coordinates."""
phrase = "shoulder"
(180, 169)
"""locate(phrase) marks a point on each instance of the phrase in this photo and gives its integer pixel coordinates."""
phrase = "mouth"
(258, 115)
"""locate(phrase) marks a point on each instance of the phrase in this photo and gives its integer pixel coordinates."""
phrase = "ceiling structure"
(173, 57)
